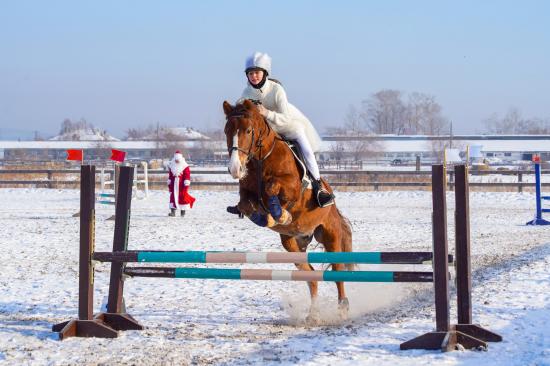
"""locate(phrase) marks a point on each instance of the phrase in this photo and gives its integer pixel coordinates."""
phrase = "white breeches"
(309, 157)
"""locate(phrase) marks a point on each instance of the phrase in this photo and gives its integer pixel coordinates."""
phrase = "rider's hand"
(263, 110)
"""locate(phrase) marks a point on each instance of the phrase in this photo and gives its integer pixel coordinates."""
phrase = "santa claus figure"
(179, 180)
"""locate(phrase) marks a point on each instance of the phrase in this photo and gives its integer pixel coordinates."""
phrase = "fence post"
(462, 249)
(445, 336)
(86, 325)
(146, 177)
(538, 220)
(115, 316)
(520, 180)
(102, 180)
(120, 240)
(440, 250)
(50, 175)
(451, 179)
(463, 263)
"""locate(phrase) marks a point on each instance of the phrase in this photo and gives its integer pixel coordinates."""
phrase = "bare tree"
(506, 125)
(66, 126)
(337, 149)
(424, 115)
(101, 150)
(534, 126)
(385, 112)
(353, 122)
(513, 123)
(141, 133)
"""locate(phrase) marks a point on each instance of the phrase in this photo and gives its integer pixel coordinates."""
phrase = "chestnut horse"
(272, 194)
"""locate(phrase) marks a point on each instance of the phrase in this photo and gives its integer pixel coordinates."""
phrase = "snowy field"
(212, 322)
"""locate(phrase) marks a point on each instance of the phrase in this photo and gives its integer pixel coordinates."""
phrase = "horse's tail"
(346, 237)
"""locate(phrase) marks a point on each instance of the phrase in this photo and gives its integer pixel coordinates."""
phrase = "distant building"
(174, 133)
(508, 148)
(85, 134)
(389, 147)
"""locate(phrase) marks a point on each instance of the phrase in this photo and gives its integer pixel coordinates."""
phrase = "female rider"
(284, 117)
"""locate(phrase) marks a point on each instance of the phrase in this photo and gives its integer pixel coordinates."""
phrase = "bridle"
(250, 155)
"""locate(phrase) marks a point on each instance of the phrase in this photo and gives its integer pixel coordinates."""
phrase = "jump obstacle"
(538, 220)
(109, 199)
(445, 337)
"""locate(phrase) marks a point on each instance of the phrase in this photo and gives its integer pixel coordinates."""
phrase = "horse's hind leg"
(330, 236)
(291, 244)
(343, 302)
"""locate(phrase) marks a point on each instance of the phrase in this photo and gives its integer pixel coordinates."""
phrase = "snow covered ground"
(261, 323)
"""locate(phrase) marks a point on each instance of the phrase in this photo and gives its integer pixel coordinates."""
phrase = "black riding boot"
(235, 211)
(182, 213)
(324, 198)
(172, 212)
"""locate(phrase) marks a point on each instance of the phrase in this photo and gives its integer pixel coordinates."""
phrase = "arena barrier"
(445, 337)
(137, 183)
(538, 220)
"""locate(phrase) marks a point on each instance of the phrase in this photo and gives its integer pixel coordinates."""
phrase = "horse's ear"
(248, 104)
(227, 108)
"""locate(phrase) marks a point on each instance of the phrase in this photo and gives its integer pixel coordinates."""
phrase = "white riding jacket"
(283, 117)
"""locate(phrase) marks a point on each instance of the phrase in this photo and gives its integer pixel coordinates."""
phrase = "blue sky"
(122, 64)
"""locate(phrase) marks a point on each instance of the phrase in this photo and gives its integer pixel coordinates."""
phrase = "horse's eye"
(248, 131)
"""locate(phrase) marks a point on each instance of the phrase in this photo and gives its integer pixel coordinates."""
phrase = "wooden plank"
(462, 246)
(440, 250)
(87, 236)
(120, 239)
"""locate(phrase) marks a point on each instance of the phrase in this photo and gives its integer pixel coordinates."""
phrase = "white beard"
(177, 168)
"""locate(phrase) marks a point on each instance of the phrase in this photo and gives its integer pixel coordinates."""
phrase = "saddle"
(307, 177)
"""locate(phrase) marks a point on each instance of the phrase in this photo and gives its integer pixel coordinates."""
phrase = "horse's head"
(243, 131)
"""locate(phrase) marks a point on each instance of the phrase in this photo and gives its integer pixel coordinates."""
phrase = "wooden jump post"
(104, 325)
(446, 336)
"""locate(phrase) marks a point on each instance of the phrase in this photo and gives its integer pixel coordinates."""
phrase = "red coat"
(179, 180)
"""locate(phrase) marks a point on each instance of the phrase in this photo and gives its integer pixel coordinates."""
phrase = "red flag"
(75, 155)
(118, 155)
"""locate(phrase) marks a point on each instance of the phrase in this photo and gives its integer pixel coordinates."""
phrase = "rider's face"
(255, 76)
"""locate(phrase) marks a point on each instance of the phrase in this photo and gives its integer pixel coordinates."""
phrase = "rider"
(284, 117)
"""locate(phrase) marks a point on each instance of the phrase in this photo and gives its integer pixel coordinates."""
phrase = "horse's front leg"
(291, 244)
(278, 215)
(247, 208)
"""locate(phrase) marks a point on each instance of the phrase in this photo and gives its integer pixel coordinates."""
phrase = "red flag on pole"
(75, 155)
(118, 155)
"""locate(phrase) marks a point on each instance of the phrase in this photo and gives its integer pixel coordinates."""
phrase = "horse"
(273, 195)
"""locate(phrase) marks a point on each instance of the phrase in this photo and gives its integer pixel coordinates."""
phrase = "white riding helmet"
(258, 60)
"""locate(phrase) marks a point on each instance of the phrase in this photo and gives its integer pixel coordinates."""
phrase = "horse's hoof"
(285, 219)
(343, 308)
(313, 318)
(271, 221)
